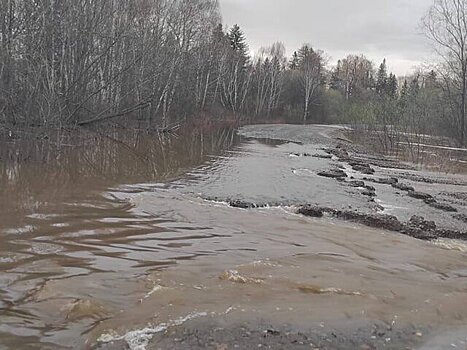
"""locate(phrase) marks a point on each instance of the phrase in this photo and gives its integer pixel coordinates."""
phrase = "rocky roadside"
(346, 164)
(417, 226)
(360, 335)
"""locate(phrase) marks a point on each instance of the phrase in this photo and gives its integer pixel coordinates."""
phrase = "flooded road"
(112, 246)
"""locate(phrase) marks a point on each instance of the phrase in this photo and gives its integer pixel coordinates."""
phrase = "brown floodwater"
(119, 236)
(56, 209)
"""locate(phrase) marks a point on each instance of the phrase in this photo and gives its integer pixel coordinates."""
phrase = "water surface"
(118, 236)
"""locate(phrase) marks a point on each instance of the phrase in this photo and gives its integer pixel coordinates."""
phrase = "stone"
(443, 207)
(420, 195)
(460, 217)
(419, 222)
(403, 187)
(323, 156)
(335, 174)
(242, 204)
(364, 169)
(311, 211)
(356, 183)
(369, 193)
(387, 181)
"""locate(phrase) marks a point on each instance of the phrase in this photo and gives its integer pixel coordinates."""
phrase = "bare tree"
(310, 69)
(353, 75)
(268, 78)
(446, 26)
(80, 61)
(235, 73)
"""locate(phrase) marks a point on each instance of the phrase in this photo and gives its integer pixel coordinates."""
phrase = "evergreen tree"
(391, 86)
(335, 81)
(382, 78)
(430, 81)
(304, 54)
(405, 89)
(237, 41)
(404, 95)
(293, 65)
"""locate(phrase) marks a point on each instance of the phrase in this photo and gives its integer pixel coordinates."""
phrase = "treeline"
(394, 111)
(153, 62)
(65, 62)
(158, 62)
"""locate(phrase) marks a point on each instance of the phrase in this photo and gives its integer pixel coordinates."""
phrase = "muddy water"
(59, 222)
(97, 246)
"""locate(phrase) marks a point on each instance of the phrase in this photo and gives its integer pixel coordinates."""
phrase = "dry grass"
(430, 153)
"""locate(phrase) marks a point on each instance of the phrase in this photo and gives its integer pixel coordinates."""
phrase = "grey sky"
(376, 28)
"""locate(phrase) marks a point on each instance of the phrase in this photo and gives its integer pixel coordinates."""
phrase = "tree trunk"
(464, 91)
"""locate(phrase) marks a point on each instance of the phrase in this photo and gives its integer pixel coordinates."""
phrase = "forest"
(157, 63)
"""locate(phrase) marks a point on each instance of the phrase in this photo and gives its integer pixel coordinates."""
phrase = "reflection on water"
(35, 173)
(84, 258)
(58, 224)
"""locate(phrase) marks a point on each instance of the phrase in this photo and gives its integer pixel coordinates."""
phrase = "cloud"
(377, 28)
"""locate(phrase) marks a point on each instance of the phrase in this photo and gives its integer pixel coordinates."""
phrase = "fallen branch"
(100, 118)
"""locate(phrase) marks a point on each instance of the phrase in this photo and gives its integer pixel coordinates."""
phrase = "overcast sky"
(377, 28)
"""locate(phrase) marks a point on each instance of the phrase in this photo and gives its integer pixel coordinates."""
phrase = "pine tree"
(404, 95)
(304, 54)
(391, 86)
(430, 81)
(336, 81)
(382, 78)
(405, 89)
(237, 41)
(293, 65)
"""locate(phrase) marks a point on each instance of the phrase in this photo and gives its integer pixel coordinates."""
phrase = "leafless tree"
(81, 61)
(268, 78)
(310, 70)
(446, 26)
(354, 74)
